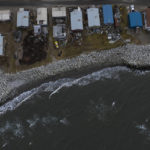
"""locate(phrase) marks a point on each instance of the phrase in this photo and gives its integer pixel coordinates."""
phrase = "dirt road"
(68, 2)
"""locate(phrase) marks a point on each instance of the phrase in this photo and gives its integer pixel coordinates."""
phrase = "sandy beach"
(136, 56)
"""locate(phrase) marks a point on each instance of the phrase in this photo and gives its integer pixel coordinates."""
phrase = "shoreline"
(131, 56)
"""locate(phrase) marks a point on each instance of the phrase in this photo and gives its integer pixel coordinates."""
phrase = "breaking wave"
(54, 87)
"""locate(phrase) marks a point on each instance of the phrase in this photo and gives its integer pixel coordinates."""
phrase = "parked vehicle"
(132, 8)
(56, 44)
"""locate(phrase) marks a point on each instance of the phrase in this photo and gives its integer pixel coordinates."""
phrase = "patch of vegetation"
(90, 43)
(124, 17)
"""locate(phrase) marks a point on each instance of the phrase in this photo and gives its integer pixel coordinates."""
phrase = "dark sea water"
(105, 110)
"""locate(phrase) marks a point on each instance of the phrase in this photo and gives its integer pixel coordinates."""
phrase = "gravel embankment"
(129, 55)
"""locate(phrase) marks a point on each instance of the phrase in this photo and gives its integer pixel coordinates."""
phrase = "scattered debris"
(18, 36)
(34, 48)
(59, 31)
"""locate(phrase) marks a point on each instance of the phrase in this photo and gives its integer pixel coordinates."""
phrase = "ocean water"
(105, 110)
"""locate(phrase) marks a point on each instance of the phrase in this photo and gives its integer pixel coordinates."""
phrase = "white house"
(59, 12)
(42, 16)
(5, 15)
(76, 20)
(22, 18)
(93, 17)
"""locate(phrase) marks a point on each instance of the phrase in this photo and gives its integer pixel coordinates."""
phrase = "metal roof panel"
(22, 18)
(76, 20)
(135, 19)
(93, 17)
(108, 14)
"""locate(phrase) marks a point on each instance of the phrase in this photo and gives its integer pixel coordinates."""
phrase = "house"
(93, 17)
(5, 15)
(135, 19)
(147, 19)
(108, 14)
(22, 18)
(76, 20)
(59, 31)
(59, 12)
(42, 16)
(1, 45)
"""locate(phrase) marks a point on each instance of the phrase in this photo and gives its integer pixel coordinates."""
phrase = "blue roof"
(108, 14)
(135, 19)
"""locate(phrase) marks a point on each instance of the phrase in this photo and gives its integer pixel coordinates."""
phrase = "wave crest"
(55, 86)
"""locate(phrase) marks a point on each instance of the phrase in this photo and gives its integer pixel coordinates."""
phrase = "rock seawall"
(137, 56)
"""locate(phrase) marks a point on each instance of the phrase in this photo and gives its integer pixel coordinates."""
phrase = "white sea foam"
(55, 86)
(16, 128)
(141, 127)
(32, 122)
(144, 130)
(107, 73)
(64, 121)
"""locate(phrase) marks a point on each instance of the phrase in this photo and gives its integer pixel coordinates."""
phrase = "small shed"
(1, 45)
(42, 16)
(135, 19)
(37, 29)
(147, 19)
(93, 17)
(22, 18)
(76, 20)
(5, 15)
(59, 12)
(108, 14)
(59, 31)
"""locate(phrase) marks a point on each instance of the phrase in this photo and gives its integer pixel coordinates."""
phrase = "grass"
(124, 17)
(89, 43)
